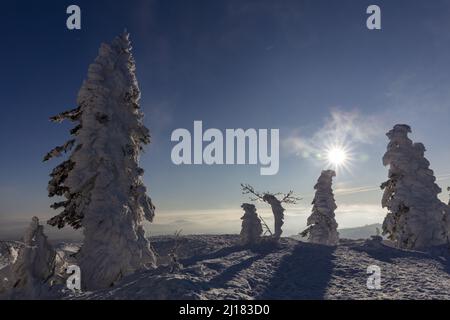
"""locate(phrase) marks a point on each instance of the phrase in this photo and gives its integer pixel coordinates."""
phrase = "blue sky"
(310, 68)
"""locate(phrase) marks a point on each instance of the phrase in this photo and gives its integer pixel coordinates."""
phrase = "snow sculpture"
(322, 226)
(251, 225)
(275, 203)
(30, 274)
(101, 180)
(416, 216)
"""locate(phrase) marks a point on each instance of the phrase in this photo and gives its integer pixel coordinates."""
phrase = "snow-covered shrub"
(251, 225)
(29, 276)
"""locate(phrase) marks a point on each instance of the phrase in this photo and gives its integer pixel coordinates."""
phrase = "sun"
(337, 156)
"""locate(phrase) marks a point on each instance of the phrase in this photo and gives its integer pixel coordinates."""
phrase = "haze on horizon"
(308, 68)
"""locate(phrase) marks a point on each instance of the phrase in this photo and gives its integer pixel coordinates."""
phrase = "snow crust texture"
(218, 267)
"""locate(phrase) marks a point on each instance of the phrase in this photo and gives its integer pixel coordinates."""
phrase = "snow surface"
(217, 267)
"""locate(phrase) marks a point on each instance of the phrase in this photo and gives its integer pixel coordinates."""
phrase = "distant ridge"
(363, 232)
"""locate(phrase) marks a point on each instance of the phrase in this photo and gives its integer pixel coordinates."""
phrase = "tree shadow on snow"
(213, 255)
(303, 274)
(264, 247)
(442, 255)
(387, 254)
(229, 273)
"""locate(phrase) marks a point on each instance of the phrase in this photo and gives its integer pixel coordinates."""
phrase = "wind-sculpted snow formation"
(417, 218)
(251, 225)
(322, 226)
(101, 180)
(29, 276)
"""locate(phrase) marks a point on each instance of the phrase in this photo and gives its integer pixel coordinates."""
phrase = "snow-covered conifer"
(322, 226)
(101, 180)
(416, 215)
(29, 275)
(251, 225)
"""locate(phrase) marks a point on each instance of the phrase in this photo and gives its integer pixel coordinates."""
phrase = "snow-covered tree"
(322, 226)
(251, 225)
(448, 189)
(275, 203)
(28, 277)
(416, 216)
(101, 181)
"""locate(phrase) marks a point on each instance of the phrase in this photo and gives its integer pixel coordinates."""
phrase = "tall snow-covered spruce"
(416, 217)
(322, 226)
(101, 181)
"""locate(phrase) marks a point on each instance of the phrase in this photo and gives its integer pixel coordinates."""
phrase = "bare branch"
(289, 198)
(266, 227)
(248, 189)
(177, 243)
(305, 232)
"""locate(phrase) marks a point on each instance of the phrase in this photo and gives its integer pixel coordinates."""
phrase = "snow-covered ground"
(216, 267)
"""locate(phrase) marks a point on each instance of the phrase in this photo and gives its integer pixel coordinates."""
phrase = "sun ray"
(338, 157)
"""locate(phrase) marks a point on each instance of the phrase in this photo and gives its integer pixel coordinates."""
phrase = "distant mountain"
(363, 232)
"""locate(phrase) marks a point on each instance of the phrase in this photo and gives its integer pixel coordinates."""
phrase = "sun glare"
(338, 157)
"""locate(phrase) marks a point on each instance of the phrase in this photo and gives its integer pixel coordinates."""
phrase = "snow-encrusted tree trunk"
(278, 214)
(322, 226)
(251, 225)
(28, 277)
(416, 216)
(101, 180)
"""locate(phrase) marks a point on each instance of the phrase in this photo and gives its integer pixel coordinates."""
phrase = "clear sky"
(310, 68)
